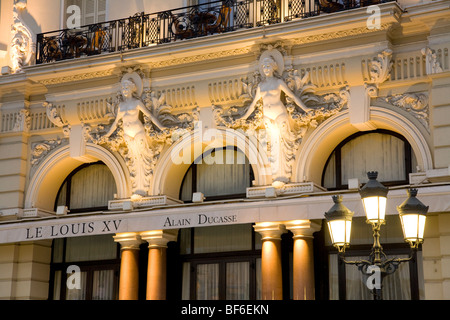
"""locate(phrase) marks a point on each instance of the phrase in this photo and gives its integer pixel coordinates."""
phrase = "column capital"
(302, 228)
(128, 240)
(270, 230)
(159, 238)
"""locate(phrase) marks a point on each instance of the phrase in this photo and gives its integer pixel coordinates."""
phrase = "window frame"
(86, 266)
(338, 163)
(64, 14)
(68, 180)
(221, 258)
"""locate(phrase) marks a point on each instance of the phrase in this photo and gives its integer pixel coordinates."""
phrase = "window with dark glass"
(223, 173)
(87, 188)
(221, 263)
(92, 11)
(384, 151)
(95, 259)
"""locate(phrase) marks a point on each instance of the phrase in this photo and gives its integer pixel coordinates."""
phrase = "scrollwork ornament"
(22, 43)
(415, 103)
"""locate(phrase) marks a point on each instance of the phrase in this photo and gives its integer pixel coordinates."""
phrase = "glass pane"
(57, 254)
(395, 286)
(186, 188)
(57, 285)
(74, 293)
(186, 284)
(223, 172)
(390, 151)
(91, 248)
(92, 187)
(223, 238)
(258, 279)
(238, 281)
(333, 276)
(185, 241)
(208, 281)
(103, 285)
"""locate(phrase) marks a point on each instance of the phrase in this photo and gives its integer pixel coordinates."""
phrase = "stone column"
(157, 259)
(303, 256)
(272, 285)
(129, 265)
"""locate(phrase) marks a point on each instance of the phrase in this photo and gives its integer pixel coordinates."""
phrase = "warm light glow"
(413, 227)
(340, 232)
(375, 208)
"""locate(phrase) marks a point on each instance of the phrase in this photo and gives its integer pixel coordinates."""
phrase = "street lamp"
(412, 214)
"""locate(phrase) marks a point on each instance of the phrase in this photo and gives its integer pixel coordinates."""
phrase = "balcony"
(145, 30)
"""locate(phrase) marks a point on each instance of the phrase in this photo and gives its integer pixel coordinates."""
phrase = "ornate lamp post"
(412, 214)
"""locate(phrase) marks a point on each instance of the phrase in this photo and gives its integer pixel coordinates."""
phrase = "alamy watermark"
(74, 20)
(374, 20)
(374, 279)
(73, 277)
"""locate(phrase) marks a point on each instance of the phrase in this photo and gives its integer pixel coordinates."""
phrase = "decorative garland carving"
(415, 103)
(41, 149)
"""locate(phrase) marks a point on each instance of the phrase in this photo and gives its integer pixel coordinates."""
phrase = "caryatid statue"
(281, 142)
(134, 133)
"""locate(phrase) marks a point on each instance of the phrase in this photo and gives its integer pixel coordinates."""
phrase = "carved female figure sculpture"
(276, 118)
(134, 132)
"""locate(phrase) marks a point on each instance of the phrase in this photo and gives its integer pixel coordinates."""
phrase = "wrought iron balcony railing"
(143, 30)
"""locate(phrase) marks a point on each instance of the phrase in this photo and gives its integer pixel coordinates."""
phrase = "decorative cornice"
(340, 34)
(78, 77)
(201, 57)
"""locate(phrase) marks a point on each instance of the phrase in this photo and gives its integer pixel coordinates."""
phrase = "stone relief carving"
(22, 44)
(279, 123)
(139, 142)
(54, 116)
(23, 121)
(415, 103)
(432, 64)
(379, 70)
(41, 149)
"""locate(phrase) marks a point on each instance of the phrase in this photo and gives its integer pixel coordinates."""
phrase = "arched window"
(87, 188)
(222, 173)
(384, 151)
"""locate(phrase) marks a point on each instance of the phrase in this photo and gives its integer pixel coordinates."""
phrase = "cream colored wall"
(119, 9)
(13, 170)
(5, 30)
(25, 270)
(436, 257)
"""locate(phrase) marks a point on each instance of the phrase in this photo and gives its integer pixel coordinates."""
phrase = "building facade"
(189, 149)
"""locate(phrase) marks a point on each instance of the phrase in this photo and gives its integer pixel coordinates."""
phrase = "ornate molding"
(379, 70)
(23, 121)
(201, 57)
(41, 149)
(22, 44)
(54, 115)
(432, 64)
(415, 103)
(340, 34)
(78, 77)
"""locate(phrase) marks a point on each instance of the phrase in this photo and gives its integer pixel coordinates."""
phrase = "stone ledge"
(141, 202)
(283, 190)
